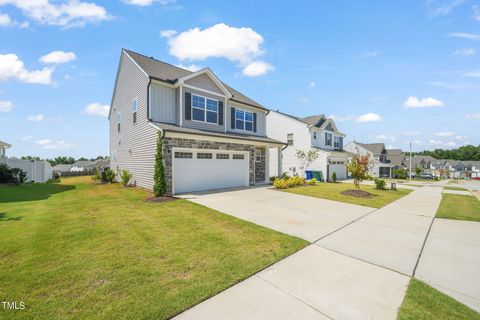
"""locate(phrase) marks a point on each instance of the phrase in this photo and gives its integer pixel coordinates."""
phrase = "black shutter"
(188, 106)
(254, 122)
(341, 143)
(232, 117)
(220, 113)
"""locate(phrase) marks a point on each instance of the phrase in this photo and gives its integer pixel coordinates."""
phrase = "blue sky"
(391, 71)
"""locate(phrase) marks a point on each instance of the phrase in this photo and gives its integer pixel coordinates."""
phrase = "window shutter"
(341, 143)
(188, 106)
(254, 122)
(232, 118)
(326, 134)
(220, 113)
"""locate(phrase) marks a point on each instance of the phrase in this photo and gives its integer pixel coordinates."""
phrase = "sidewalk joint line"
(423, 246)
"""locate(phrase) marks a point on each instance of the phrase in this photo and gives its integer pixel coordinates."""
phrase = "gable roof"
(169, 73)
(316, 120)
(4, 144)
(375, 148)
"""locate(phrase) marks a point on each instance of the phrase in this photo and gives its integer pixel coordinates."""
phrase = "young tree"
(418, 171)
(334, 177)
(159, 186)
(358, 168)
(306, 158)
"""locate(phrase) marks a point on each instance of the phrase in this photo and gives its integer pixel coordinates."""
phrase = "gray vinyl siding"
(201, 125)
(162, 103)
(204, 82)
(135, 145)
(261, 119)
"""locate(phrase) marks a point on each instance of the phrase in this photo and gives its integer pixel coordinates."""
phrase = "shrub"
(358, 167)
(399, 174)
(159, 185)
(272, 179)
(110, 175)
(334, 176)
(96, 175)
(285, 175)
(19, 176)
(125, 177)
(312, 182)
(5, 173)
(280, 184)
(380, 184)
(295, 181)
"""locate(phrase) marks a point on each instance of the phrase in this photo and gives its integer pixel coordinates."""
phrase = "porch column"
(279, 161)
(267, 164)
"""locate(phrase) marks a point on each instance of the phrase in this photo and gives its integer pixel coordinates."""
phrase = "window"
(238, 157)
(243, 120)
(134, 110)
(224, 156)
(314, 135)
(336, 142)
(328, 139)
(202, 155)
(119, 118)
(290, 139)
(258, 155)
(183, 155)
(204, 109)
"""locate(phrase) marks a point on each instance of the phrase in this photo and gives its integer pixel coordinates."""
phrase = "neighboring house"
(456, 169)
(316, 132)
(384, 160)
(426, 163)
(81, 166)
(101, 164)
(213, 136)
(37, 171)
(62, 168)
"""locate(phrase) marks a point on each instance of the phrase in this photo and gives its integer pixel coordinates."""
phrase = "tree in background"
(358, 167)
(465, 153)
(30, 158)
(306, 158)
(159, 186)
(418, 171)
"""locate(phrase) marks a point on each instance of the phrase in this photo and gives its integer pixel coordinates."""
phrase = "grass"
(459, 207)
(78, 250)
(454, 188)
(427, 303)
(332, 191)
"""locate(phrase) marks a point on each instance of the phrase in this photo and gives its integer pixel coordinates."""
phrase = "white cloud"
(35, 118)
(312, 84)
(464, 52)
(417, 142)
(461, 137)
(473, 116)
(168, 33)
(11, 67)
(257, 68)
(6, 106)
(472, 74)
(463, 35)
(371, 54)
(54, 145)
(5, 20)
(58, 57)
(369, 117)
(414, 102)
(43, 142)
(435, 142)
(445, 134)
(412, 133)
(386, 138)
(241, 45)
(97, 109)
(192, 67)
(476, 12)
(26, 138)
(441, 143)
(442, 7)
(450, 144)
(71, 13)
(145, 3)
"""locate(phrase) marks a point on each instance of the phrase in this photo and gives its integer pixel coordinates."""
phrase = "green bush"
(312, 182)
(400, 174)
(159, 182)
(19, 176)
(110, 175)
(380, 184)
(125, 177)
(5, 173)
(96, 175)
(280, 184)
(334, 176)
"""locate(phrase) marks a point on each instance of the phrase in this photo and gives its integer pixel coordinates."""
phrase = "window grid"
(238, 157)
(183, 155)
(223, 156)
(204, 109)
(202, 155)
(243, 120)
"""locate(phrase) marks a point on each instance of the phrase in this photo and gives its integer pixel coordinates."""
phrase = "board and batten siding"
(204, 82)
(261, 119)
(197, 124)
(162, 103)
(135, 145)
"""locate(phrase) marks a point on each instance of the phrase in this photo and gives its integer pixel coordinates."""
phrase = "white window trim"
(244, 120)
(135, 111)
(331, 139)
(205, 109)
(335, 140)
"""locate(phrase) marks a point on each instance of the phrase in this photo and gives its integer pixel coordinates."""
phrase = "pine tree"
(159, 186)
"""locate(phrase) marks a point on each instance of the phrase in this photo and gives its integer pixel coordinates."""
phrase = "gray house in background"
(213, 136)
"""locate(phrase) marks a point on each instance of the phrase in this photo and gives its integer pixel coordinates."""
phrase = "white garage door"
(340, 170)
(198, 170)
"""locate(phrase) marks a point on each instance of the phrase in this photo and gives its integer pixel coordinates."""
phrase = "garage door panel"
(207, 174)
(340, 169)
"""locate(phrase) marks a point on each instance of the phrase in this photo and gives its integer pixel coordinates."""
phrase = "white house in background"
(37, 171)
(316, 132)
(81, 166)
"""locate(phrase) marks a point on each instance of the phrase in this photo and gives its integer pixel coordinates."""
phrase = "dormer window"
(243, 120)
(337, 143)
(328, 139)
(204, 109)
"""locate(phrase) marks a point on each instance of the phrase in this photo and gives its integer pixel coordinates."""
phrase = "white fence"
(37, 171)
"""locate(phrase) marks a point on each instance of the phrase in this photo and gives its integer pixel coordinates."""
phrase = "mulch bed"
(161, 199)
(357, 193)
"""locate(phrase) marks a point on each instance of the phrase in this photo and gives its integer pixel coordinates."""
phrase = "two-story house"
(425, 163)
(3, 147)
(382, 166)
(316, 132)
(213, 136)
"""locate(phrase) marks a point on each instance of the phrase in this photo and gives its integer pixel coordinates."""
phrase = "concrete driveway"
(306, 217)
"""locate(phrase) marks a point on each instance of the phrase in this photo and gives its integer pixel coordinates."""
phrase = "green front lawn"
(332, 191)
(454, 188)
(459, 207)
(78, 250)
(427, 303)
